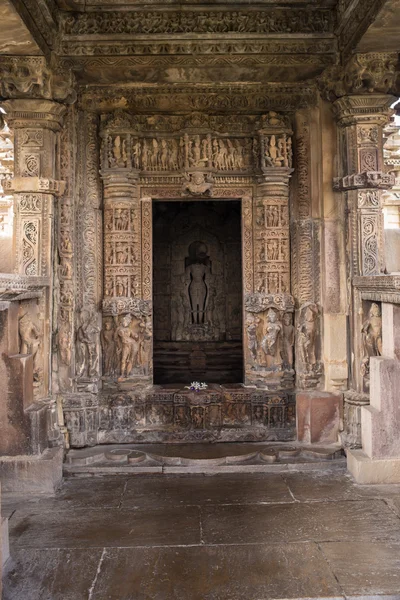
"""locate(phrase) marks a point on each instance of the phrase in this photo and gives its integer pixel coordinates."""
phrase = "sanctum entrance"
(196, 287)
(197, 292)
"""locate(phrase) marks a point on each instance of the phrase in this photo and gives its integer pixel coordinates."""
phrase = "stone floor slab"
(41, 574)
(203, 490)
(216, 573)
(365, 568)
(328, 521)
(80, 528)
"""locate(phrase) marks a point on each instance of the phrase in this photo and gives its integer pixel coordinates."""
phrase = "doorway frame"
(163, 193)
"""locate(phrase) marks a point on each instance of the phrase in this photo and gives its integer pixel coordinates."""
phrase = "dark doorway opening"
(197, 291)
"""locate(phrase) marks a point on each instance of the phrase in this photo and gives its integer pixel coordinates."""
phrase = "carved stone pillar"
(361, 119)
(269, 312)
(36, 125)
(126, 336)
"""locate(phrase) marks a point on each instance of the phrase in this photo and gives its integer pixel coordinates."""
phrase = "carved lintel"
(368, 179)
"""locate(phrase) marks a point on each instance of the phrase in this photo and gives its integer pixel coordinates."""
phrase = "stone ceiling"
(131, 43)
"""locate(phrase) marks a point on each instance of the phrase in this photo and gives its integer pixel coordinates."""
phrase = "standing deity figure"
(86, 338)
(197, 290)
(288, 339)
(128, 342)
(307, 334)
(30, 340)
(196, 275)
(108, 345)
(371, 337)
(252, 338)
(270, 341)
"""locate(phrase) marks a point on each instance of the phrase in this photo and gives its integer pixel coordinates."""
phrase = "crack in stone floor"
(264, 536)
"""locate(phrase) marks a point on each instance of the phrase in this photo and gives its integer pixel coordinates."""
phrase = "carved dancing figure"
(270, 341)
(86, 338)
(371, 337)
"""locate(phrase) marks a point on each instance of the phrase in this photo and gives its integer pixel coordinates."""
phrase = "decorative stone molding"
(368, 179)
(385, 288)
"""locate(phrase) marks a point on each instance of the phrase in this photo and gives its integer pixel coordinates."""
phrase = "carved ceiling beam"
(40, 17)
(353, 19)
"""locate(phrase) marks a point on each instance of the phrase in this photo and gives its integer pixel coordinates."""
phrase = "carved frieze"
(252, 98)
(180, 22)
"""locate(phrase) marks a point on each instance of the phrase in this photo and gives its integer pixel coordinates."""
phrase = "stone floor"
(257, 536)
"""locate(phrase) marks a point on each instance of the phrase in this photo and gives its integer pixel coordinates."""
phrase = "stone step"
(202, 458)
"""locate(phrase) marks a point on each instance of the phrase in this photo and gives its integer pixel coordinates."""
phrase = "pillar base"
(318, 416)
(373, 470)
(32, 473)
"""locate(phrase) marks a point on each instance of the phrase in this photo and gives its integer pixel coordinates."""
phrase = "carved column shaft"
(272, 274)
(122, 247)
(36, 125)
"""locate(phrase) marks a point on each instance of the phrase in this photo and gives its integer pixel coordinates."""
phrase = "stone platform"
(201, 458)
(172, 413)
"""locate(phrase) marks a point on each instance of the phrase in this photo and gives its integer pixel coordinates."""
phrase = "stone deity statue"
(129, 345)
(371, 337)
(270, 341)
(288, 339)
(307, 335)
(108, 344)
(196, 273)
(30, 340)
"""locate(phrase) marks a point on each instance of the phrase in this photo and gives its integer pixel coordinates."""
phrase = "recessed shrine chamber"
(197, 291)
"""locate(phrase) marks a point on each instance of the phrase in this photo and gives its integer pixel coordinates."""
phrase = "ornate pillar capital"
(363, 108)
(34, 113)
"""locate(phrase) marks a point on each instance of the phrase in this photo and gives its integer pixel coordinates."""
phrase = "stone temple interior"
(199, 230)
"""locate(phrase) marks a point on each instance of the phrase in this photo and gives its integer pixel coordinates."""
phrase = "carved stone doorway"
(197, 291)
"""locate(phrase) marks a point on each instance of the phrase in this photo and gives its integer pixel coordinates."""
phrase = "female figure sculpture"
(270, 341)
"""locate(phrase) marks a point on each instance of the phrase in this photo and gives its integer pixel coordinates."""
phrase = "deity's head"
(271, 316)
(287, 319)
(126, 321)
(107, 325)
(374, 311)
